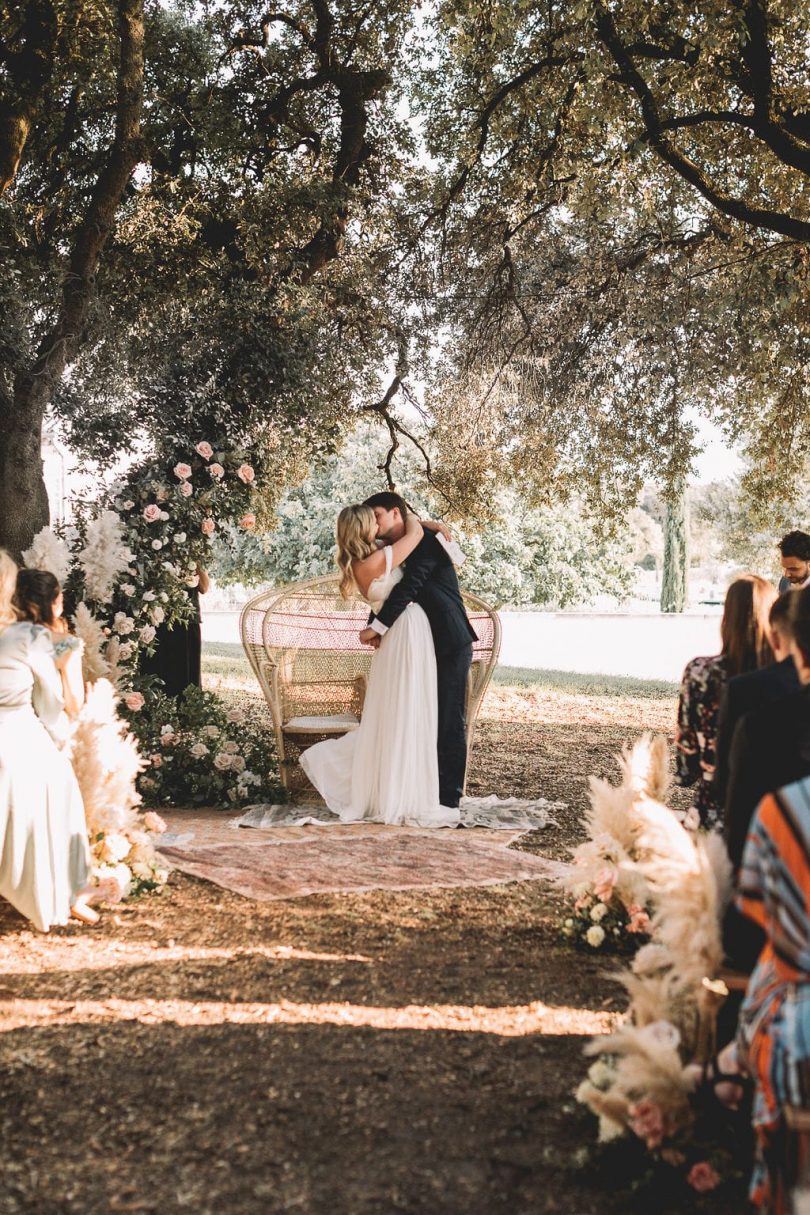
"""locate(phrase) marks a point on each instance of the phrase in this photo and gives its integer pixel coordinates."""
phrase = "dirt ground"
(333, 1055)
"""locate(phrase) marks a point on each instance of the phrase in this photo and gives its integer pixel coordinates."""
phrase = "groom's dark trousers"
(430, 580)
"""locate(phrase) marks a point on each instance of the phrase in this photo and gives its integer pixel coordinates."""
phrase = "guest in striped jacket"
(773, 1041)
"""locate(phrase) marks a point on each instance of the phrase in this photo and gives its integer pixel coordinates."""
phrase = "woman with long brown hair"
(745, 646)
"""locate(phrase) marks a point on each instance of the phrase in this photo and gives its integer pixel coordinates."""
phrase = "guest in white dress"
(45, 860)
(386, 770)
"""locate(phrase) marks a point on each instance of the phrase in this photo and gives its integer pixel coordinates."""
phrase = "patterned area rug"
(291, 862)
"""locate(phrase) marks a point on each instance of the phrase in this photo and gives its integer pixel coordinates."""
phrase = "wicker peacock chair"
(302, 642)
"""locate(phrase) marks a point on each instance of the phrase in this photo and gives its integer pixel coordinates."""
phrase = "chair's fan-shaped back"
(302, 642)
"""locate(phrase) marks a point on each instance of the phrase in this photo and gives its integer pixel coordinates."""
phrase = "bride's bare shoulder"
(366, 570)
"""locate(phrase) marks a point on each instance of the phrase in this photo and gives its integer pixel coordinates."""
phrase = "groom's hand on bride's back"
(370, 637)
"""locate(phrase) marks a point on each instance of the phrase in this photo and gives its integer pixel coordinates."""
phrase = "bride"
(387, 769)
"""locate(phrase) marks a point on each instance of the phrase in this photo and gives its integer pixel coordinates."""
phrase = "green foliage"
(597, 288)
(522, 556)
(201, 753)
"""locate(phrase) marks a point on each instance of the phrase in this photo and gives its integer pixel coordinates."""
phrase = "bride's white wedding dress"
(386, 771)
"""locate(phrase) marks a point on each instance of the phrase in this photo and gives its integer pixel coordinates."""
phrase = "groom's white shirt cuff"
(379, 627)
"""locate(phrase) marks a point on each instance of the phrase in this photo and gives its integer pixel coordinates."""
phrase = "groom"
(430, 580)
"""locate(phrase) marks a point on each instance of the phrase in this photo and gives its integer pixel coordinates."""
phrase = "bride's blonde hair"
(8, 585)
(354, 535)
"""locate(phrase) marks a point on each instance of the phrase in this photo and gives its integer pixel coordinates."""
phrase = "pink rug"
(294, 862)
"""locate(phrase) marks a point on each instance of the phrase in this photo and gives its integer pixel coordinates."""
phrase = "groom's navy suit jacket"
(430, 580)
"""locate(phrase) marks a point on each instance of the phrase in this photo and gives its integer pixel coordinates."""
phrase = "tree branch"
(60, 345)
(683, 165)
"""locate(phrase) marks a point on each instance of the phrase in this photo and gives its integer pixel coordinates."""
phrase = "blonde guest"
(45, 859)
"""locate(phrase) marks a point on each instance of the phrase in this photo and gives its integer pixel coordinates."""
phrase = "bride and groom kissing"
(405, 763)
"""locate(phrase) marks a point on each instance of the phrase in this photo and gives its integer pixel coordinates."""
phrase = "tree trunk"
(675, 580)
(23, 500)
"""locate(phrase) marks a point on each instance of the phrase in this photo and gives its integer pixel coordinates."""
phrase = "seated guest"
(794, 549)
(771, 745)
(45, 859)
(746, 646)
(773, 1040)
(747, 692)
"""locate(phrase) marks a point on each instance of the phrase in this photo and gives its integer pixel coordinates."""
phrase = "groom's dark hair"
(388, 501)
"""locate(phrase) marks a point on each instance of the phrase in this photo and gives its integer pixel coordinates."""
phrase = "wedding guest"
(177, 659)
(794, 549)
(745, 646)
(45, 860)
(771, 745)
(744, 693)
(773, 1040)
(38, 598)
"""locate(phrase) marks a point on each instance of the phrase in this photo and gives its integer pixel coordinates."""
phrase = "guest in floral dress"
(746, 646)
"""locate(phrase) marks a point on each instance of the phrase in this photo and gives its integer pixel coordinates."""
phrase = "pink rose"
(247, 521)
(205, 450)
(702, 1177)
(151, 513)
(604, 882)
(181, 471)
(207, 527)
(647, 1121)
(216, 470)
(186, 488)
(639, 920)
(153, 822)
(156, 760)
(134, 701)
(245, 473)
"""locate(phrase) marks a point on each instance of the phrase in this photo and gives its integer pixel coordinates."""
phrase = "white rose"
(164, 514)
(157, 544)
(127, 589)
(168, 729)
(123, 624)
(180, 538)
(595, 936)
(114, 847)
(599, 1074)
(157, 615)
(222, 761)
(598, 912)
(147, 634)
(237, 763)
(236, 715)
(148, 596)
(231, 747)
(199, 750)
(211, 731)
(127, 505)
(164, 598)
(125, 652)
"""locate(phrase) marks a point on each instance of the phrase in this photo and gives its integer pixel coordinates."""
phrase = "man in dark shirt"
(794, 550)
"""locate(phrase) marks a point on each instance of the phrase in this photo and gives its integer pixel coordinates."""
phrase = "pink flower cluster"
(605, 882)
(648, 1122)
(703, 1178)
(639, 919)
